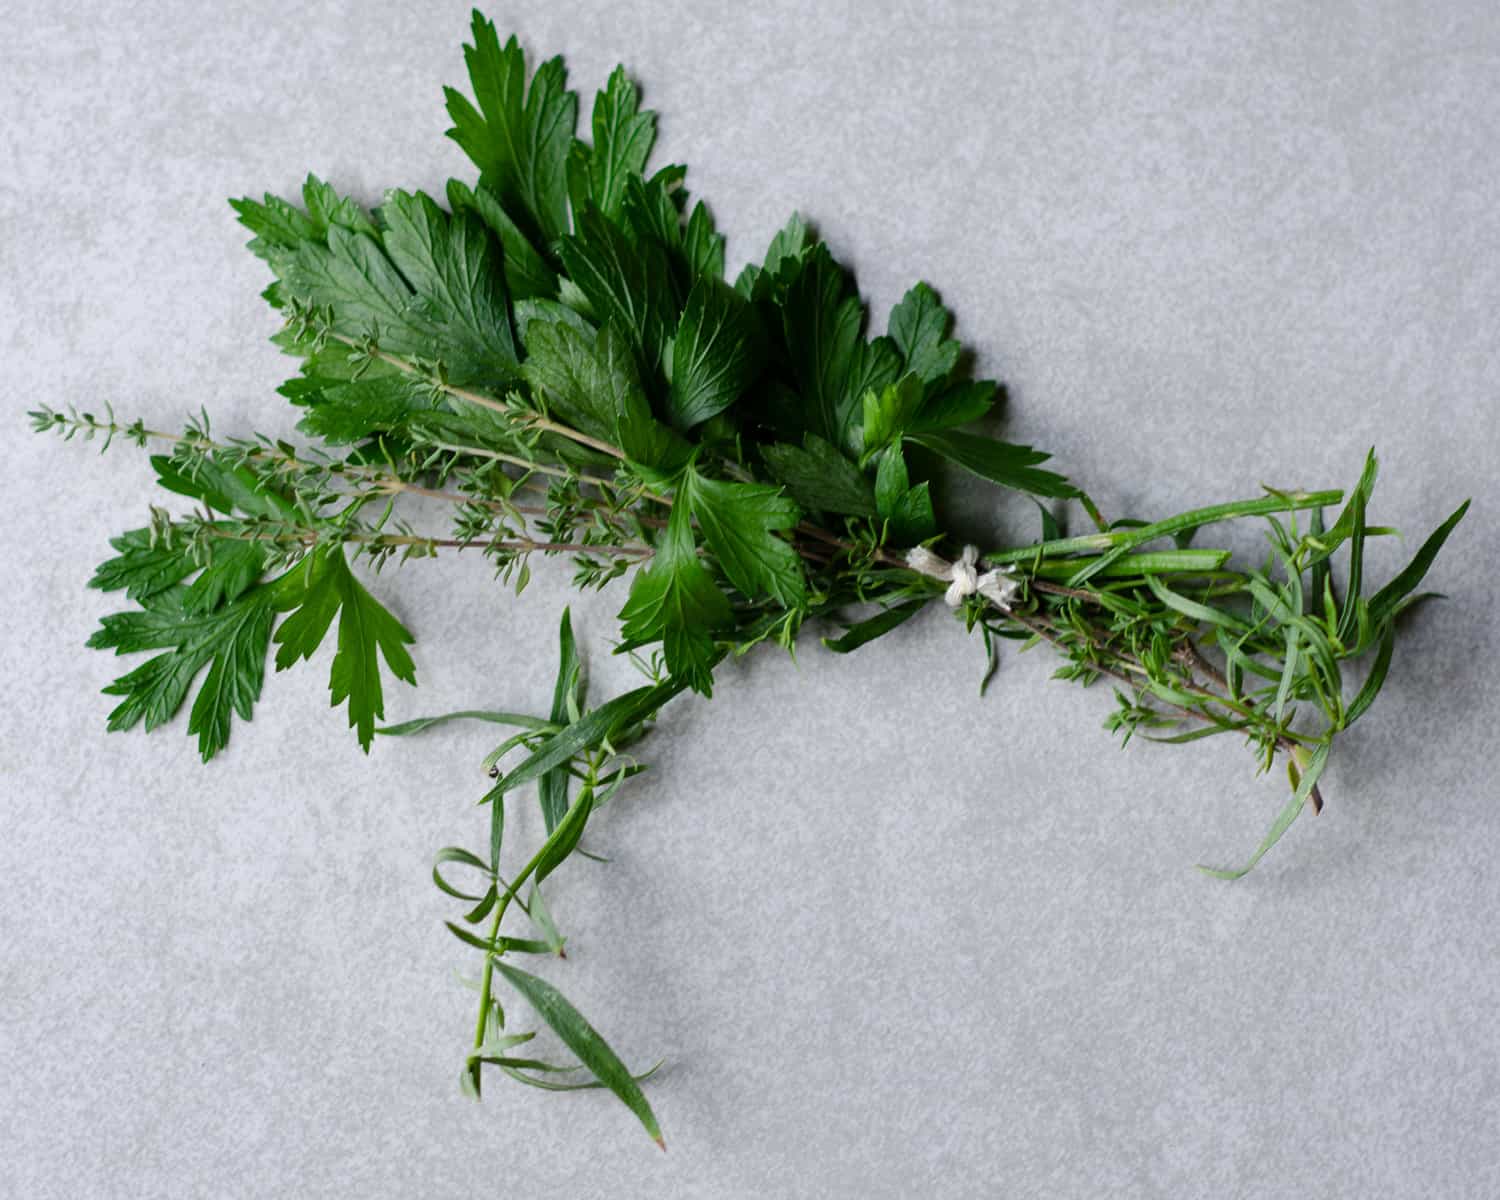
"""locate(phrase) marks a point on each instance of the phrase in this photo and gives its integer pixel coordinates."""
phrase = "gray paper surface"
(892, 940)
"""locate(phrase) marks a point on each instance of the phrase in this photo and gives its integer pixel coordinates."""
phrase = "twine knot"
(963, 577)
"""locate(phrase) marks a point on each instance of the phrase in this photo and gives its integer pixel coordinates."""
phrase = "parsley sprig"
(551, 357)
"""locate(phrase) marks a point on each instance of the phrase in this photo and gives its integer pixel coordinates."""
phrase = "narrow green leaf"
(863, 632)
(583, 1040)
(1284, 819)
(1373, 681)
(552, 788)
(422, 724)
(1384, 603)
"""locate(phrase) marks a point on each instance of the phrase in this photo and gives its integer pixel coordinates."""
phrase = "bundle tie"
(963, 577)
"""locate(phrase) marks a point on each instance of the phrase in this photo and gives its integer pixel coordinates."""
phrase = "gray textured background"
(892, 940)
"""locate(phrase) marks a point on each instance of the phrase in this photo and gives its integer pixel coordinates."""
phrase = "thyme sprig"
(551, 362)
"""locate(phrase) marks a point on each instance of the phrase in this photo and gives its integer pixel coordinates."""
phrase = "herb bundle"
(552, 356)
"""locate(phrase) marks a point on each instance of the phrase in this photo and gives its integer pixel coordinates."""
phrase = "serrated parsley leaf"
(592, 382)
(960, 404)
(144, 566)
(230, 641)
(455, 265)
(716, 353)
(624, 281)
(431, 286)
(527, 273)
(739, 523)
(675, 600)
(345, 412)
(623, 137)
(1005, 463)
(279, 225)
(786, 251)
(820, 478)
(367, 633)
(820, 323)
(907, 509)
(919, 326)
(703, 244)
(890, 412)
(518, 139)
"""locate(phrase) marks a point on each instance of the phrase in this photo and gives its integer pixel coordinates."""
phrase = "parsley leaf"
(675, 599)
(919, 326)
(592, 381)
(456, 268)
(623, 280)
(820, 478)
(367, 632)
(739, 522)
(716, 353)
(623, 136)
(527, 273)
(1005, 463)
(820, 321)
(907, 509)
(518, 139)
(230, 641)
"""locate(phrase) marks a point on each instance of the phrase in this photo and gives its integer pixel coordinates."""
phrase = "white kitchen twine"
(963, 576)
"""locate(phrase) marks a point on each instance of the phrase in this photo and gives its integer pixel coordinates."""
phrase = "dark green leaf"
(1384, 603)
(919, 326)
(716, 353)
(820, 478)
(739, 522)
(879, 625)
(527, 274)
(1005, 463)
(623, 137)
(519, 140)
(457, 269)
(674, 599)
(367, 632)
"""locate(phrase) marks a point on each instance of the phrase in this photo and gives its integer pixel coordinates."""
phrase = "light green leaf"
(583, 1040)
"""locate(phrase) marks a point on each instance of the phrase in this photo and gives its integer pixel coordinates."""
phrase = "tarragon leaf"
(583, 1040)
